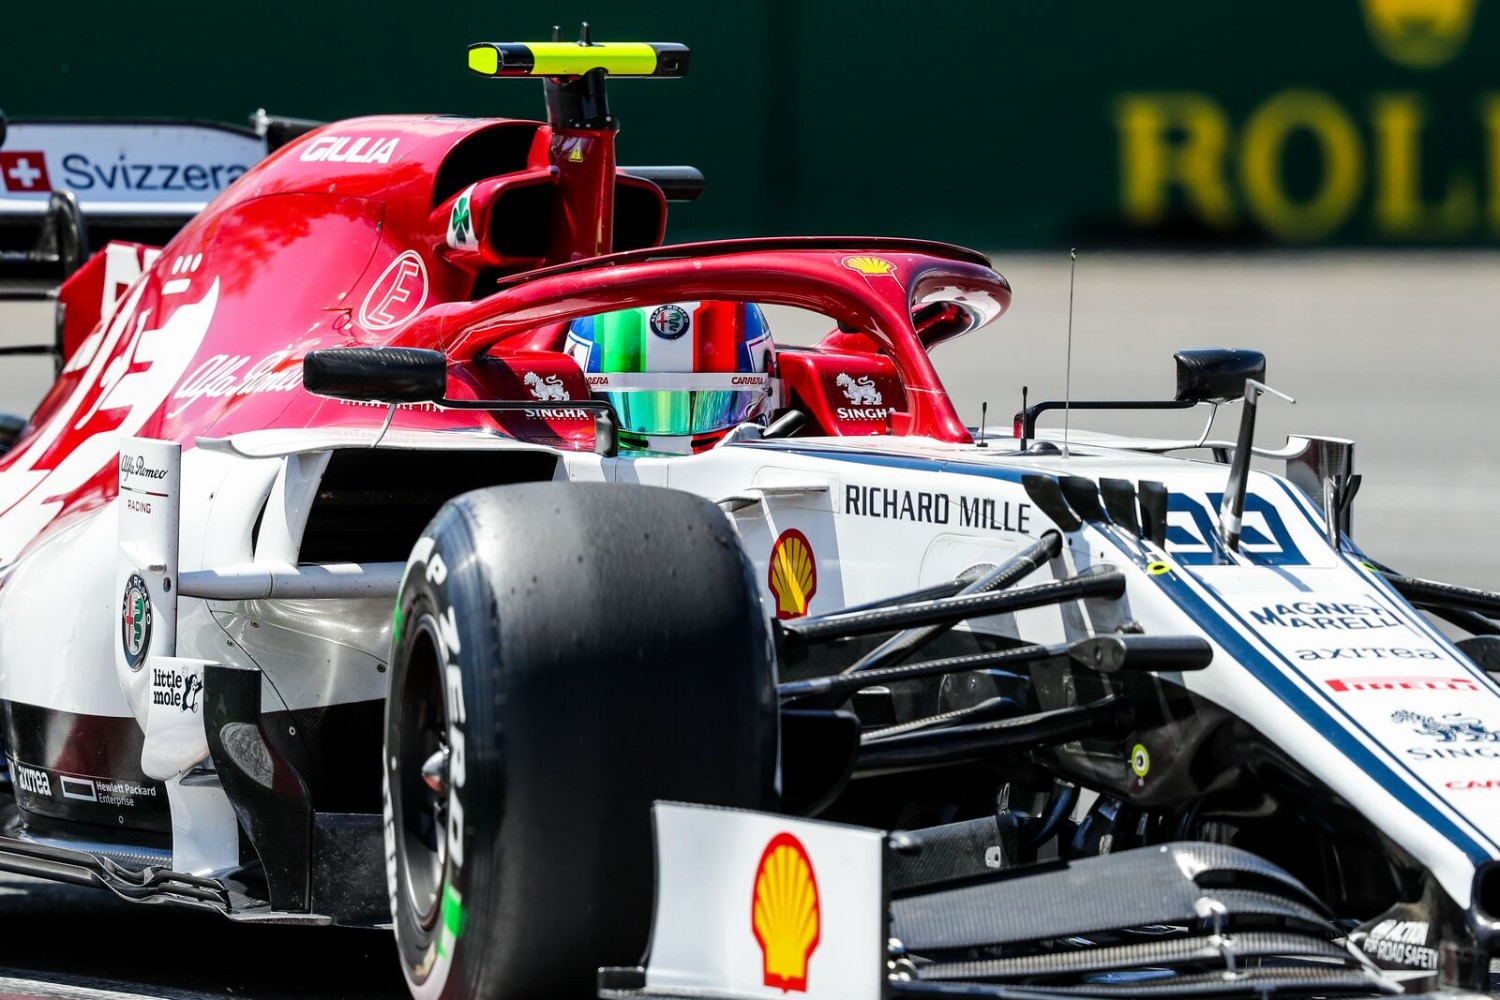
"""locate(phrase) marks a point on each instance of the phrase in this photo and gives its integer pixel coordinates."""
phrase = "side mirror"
(414, 375)
(377, 374)
(1217, 374)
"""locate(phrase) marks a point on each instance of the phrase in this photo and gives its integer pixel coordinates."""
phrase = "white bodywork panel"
(754, 905)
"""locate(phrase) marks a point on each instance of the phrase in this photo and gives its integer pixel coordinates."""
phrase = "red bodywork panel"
(345, 238)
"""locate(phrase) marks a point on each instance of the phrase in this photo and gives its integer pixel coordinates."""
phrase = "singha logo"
(545, 390)
(1419, 33)
(1451, 728)
(861, 392)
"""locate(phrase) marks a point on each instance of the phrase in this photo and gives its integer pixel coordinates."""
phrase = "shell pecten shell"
(793, 574)
(784, 912)
(869, 265)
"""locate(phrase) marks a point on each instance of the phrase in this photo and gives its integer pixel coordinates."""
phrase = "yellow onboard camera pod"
(572, 59)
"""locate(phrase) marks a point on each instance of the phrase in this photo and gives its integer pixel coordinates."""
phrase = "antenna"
(1020, 429)
(984, 408)
(1068, 377)
(1232, 508)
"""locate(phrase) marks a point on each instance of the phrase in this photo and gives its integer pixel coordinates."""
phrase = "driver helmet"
(680, 375)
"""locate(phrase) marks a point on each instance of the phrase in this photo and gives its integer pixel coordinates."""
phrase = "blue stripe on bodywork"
(1263, 668)
(1214, 624)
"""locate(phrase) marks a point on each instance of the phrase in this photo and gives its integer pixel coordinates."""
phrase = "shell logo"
(1419, 33)
(784, 912)
(869, 265)
(793, 576)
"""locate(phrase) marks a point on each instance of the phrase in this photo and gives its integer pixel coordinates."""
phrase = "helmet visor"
(681, 404)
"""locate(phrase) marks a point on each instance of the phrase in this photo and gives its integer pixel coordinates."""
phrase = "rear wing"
(68, 186)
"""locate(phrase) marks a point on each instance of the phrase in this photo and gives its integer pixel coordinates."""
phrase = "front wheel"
(564, 654)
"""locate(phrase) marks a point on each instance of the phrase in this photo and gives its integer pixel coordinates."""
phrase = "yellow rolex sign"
(1419, 33)
(1093, 124)
(1399, 161)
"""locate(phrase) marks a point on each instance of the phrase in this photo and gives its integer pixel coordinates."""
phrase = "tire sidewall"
(434, 960)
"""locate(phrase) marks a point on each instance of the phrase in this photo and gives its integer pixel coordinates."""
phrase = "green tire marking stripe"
(453, 920)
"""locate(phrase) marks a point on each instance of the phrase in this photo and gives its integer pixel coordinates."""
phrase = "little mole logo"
(176, 690)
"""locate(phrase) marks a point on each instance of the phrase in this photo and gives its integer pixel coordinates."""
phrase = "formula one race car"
(414, 542)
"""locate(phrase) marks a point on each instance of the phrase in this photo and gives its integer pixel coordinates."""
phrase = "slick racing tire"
(563, 655)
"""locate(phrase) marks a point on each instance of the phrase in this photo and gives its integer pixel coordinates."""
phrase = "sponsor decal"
(1140, 760)
(1453, 727)
(461, 234)
(135, 466)
(1193, 537)
(1471, 751)
(1337, 615)
(397, 295)
(1401, 942)
(558, 414)
(25, 172)
(865, 412)
(793, 574)
(669, 321)
(349, 149)
(33, 780)
(1402, 683)
(1368, 653)
(135, 621)
(937, 508)
(1421, 34)
(176, 690)
(861, 391)
(547, 389)
(785, 913)
(1483, 784)
(122, 793)
(83, 174)
(378, 405)
(226, 375)
(78, 788)
(869, 266)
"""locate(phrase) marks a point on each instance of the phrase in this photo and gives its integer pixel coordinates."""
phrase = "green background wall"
(1000, 124)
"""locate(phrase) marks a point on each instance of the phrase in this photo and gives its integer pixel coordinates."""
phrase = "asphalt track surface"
(1400, 352)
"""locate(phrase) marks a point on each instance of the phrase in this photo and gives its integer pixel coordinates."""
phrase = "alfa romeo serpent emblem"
(135, 621)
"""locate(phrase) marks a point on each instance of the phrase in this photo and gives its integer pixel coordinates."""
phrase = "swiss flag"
(25, 172)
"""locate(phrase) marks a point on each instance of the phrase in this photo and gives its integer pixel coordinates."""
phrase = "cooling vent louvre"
(373, 503)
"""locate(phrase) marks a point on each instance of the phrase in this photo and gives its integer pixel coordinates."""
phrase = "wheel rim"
(422, 823)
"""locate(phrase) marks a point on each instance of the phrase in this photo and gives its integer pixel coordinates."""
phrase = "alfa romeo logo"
(135, 621)
(670, 322)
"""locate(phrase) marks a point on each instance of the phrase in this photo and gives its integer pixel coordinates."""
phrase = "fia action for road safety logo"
(135, 621)
(785, 914)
